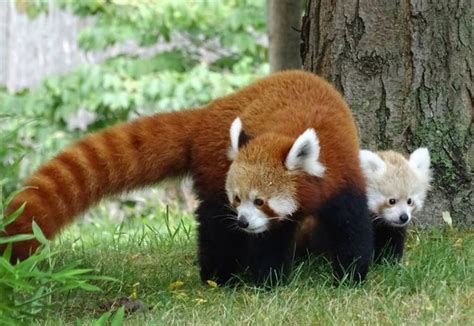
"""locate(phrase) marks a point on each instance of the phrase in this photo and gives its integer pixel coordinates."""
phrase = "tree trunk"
(406, 70)
(284, 19)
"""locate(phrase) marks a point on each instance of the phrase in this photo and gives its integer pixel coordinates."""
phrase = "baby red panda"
(396, 188)
(281, 148)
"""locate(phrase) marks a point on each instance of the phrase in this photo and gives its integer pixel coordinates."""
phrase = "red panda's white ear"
(420, 160)
(238, 138)
(372, 165)
(304, 154)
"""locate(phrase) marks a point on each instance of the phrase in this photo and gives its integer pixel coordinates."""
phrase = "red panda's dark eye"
(258, 202)
(392, 201)
(237, 199)
(409, 201)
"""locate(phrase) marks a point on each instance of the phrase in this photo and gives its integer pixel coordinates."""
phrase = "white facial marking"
(258, 221)
(235, 130)
(304, 154)
(372, 165)
(282, 205)
(392, 214)
(252, 194)
(374, 199)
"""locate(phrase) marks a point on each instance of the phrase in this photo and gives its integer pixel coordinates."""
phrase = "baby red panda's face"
(396, 187)
(262, 179)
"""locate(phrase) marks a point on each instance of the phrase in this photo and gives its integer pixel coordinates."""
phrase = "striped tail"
(117, 159)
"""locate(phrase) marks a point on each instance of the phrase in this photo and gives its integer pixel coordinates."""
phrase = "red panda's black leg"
(389, 242)
(272, 254)
(345, 219)
(221, 245)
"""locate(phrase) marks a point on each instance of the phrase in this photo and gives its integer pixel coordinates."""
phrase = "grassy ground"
(433, 285)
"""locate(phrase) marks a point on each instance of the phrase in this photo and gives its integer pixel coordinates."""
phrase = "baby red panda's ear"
(372, 165)
(238, 138)
(304, 154)
(420, 161)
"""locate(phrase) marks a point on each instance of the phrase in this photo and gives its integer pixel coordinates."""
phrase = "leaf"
(39, 234)
(118, 317)
(13, 216)
(176, 285)
(103, 319)
(6, 266)
(212, 284)
(458, 243)
(16, 238)
(447, 218)
(13, 194)
(74, 272)
(7, 253)
(200, 300)
(89, 287)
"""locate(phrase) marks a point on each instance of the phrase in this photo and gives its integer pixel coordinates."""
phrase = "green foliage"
(26, 288)
(35, 124)
(32, 7)
(231, 25)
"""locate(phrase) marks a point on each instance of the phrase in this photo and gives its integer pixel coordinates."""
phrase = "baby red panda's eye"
(392, 201)
(237, 199)
(258, 202)
(409, 201)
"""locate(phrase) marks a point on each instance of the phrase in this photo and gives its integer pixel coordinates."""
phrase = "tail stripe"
(72, 167)
(47, 190)
(114, 164)
(94, 166)
(136, 140)
(105, 162)
(65, 189)
(132, 156)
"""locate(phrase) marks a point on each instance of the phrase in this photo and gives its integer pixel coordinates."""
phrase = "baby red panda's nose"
(403, 217)
(242, 222)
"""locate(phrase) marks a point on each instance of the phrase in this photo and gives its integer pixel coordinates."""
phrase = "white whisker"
(282, 218)
(376, 218)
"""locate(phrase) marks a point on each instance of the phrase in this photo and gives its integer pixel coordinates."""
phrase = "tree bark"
(406, 70)
(284, 20)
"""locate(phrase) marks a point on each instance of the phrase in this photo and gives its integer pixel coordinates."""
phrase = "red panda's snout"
(396, 212)
(256, 214)
(251, 218)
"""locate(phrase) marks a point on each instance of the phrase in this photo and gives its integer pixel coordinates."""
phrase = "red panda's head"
(396, 187)
(262, 180)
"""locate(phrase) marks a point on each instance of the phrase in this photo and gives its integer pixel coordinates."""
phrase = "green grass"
(434, 284)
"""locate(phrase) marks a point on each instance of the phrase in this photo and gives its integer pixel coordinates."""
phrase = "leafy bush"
(228, 27)
(27, 287)
(35, 124)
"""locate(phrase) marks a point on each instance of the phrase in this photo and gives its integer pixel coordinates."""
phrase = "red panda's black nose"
(242, 222)
(403, 218)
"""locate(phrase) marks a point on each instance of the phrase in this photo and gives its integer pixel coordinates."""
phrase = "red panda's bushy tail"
(119, 158)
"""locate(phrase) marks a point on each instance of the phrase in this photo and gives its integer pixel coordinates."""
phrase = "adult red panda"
(298, 156)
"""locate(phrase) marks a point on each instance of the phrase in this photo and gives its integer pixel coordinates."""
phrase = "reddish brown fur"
(304, 230)
(147, 150)
(268, 211)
